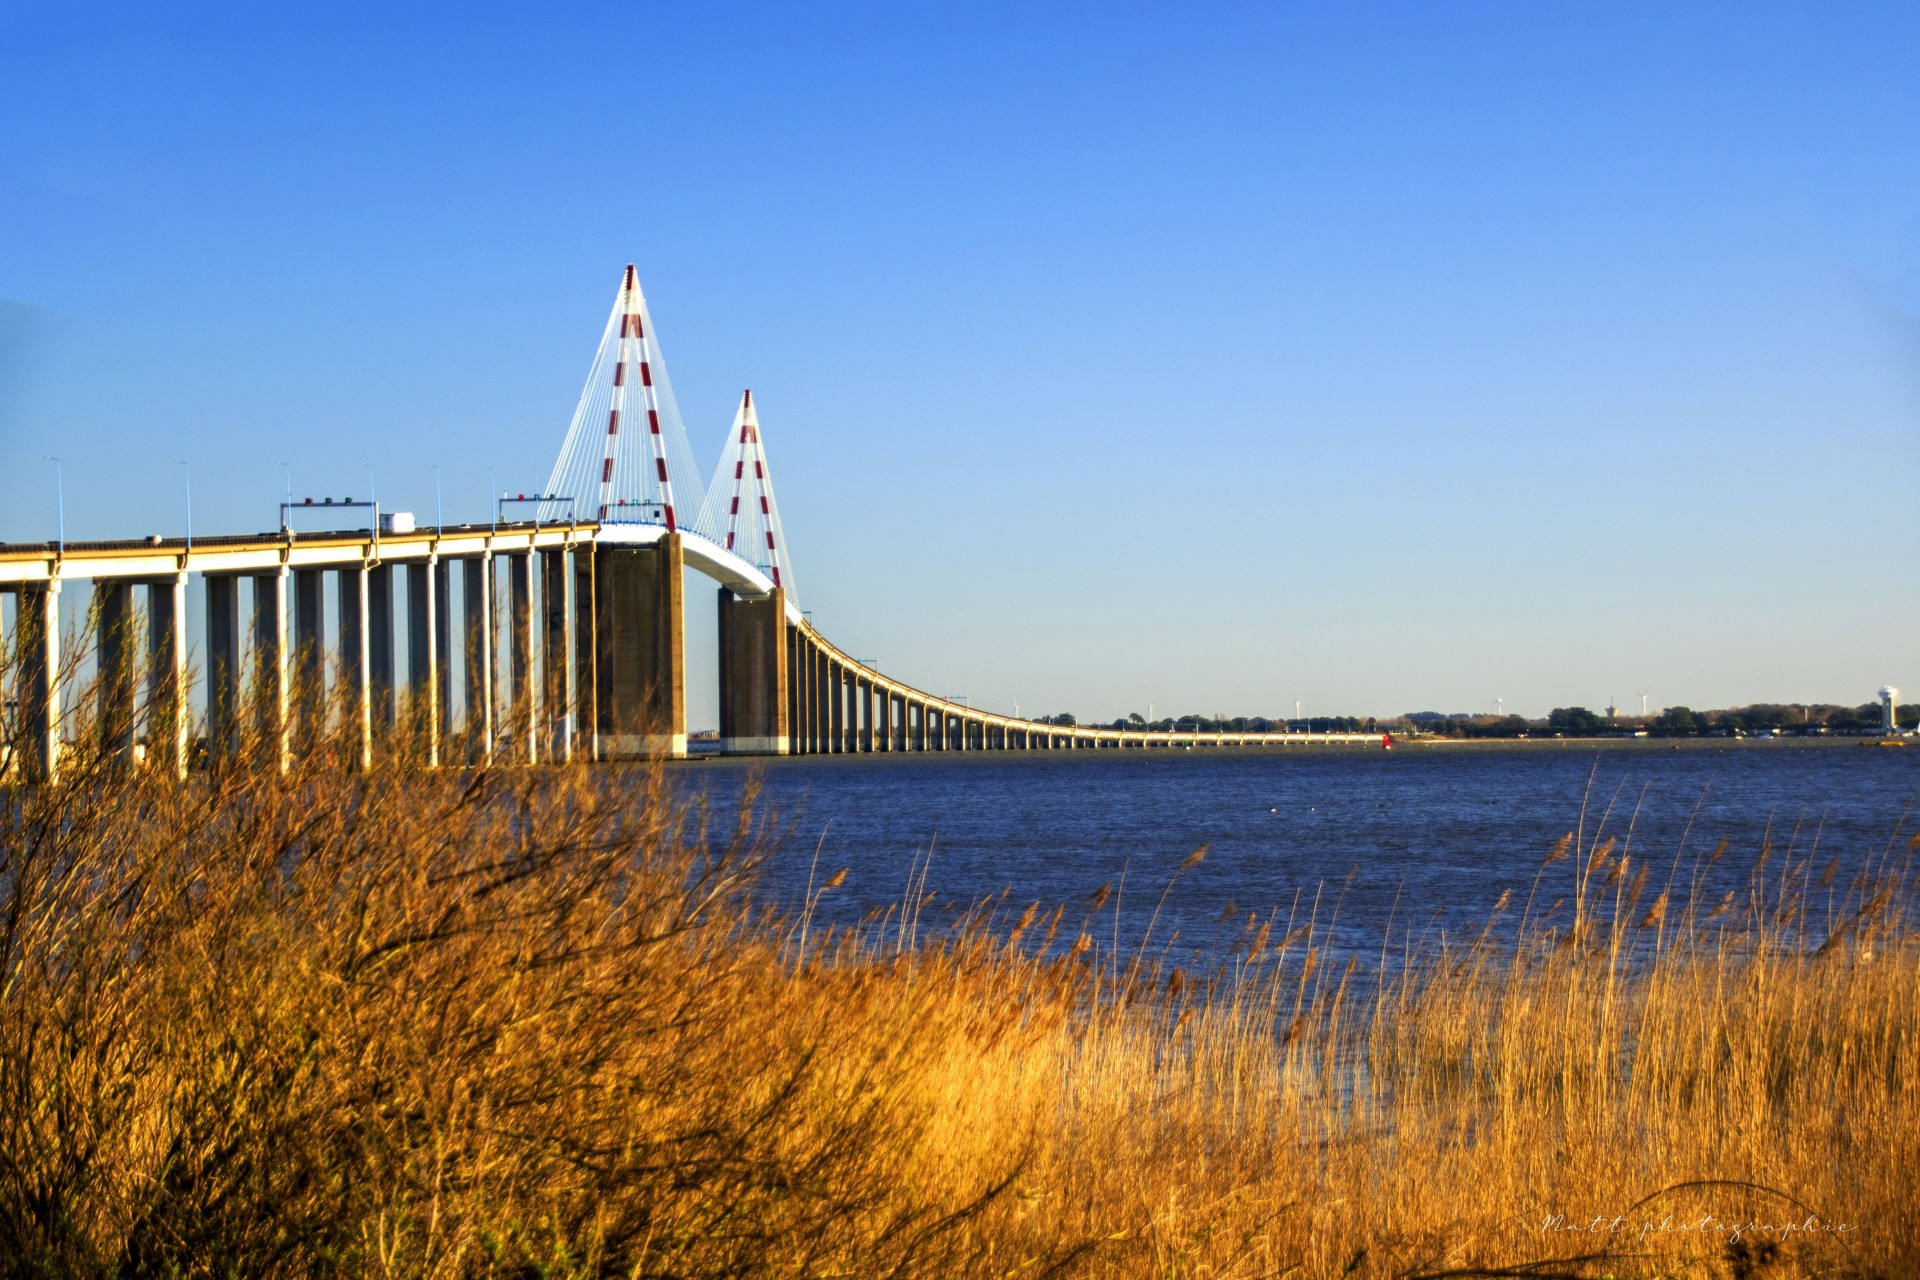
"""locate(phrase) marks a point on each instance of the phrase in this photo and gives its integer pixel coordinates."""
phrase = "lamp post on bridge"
(59, 502)
(189, 468)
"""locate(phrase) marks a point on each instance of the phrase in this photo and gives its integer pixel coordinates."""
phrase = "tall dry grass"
(531, 1022)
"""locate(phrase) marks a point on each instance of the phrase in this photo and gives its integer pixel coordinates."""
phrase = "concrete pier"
(478, 642)
(523, 689)
(381, 683)
(309, 651)
(355, 670)
(556, 656)
(423, 651)
(442, 657)
(40, 678)
(583, 712)
(273, 659)
(753, 675)
(114, 675)
(641, 677)
(224, 676)
(167, 672)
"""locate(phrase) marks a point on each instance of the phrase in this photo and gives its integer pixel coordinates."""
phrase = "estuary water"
(1422, 837)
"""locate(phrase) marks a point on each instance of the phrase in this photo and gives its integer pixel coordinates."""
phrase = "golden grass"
(529, 1022)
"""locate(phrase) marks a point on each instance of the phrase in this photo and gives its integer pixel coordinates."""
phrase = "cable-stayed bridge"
(553, 635)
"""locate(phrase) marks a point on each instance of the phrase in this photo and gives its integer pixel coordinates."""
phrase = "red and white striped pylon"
(634, 348)
(748, 450)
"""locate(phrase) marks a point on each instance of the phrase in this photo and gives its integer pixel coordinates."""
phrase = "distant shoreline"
(1642, 744)
(1586, 745)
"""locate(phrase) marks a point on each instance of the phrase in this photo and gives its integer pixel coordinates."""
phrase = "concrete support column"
(797, 691)
(423, 651)
(273, 660)
(443, 658)
(816, 700)
(355, 670)
(167, 673)
(309, 650)
(753, 674)
(853, 710)
(381, 681)
(38, 686)
(822, 702)
(583, 714)
(223, 664)
(642, 676)
(524, 716)
(850, 696)
(836, 707)
(790, 662)
(866, 732)
(802, 671)
(810, 666)
(478, 640)
(830, 705)
(113, 681)
(556, 654)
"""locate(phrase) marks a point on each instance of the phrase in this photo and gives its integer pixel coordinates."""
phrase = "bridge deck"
(852, 706)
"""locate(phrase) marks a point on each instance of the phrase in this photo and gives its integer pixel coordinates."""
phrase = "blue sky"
(1215, 356)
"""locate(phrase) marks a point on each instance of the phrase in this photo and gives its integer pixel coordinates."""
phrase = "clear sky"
(1212, 356)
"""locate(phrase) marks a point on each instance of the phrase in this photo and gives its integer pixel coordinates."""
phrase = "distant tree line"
(1786, 719)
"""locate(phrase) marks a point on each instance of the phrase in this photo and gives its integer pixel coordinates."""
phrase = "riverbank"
(514, 1021)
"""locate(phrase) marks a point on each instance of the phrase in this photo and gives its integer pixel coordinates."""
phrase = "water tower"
(1889, 723)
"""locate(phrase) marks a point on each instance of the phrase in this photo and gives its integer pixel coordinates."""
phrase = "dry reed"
(417, 1022)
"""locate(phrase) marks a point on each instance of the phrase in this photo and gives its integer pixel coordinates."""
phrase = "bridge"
(579, 652)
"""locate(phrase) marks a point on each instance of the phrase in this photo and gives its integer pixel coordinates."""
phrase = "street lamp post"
(189, 469)
(59, 501)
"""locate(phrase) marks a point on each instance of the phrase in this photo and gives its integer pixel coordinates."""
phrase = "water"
(1426, 837)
